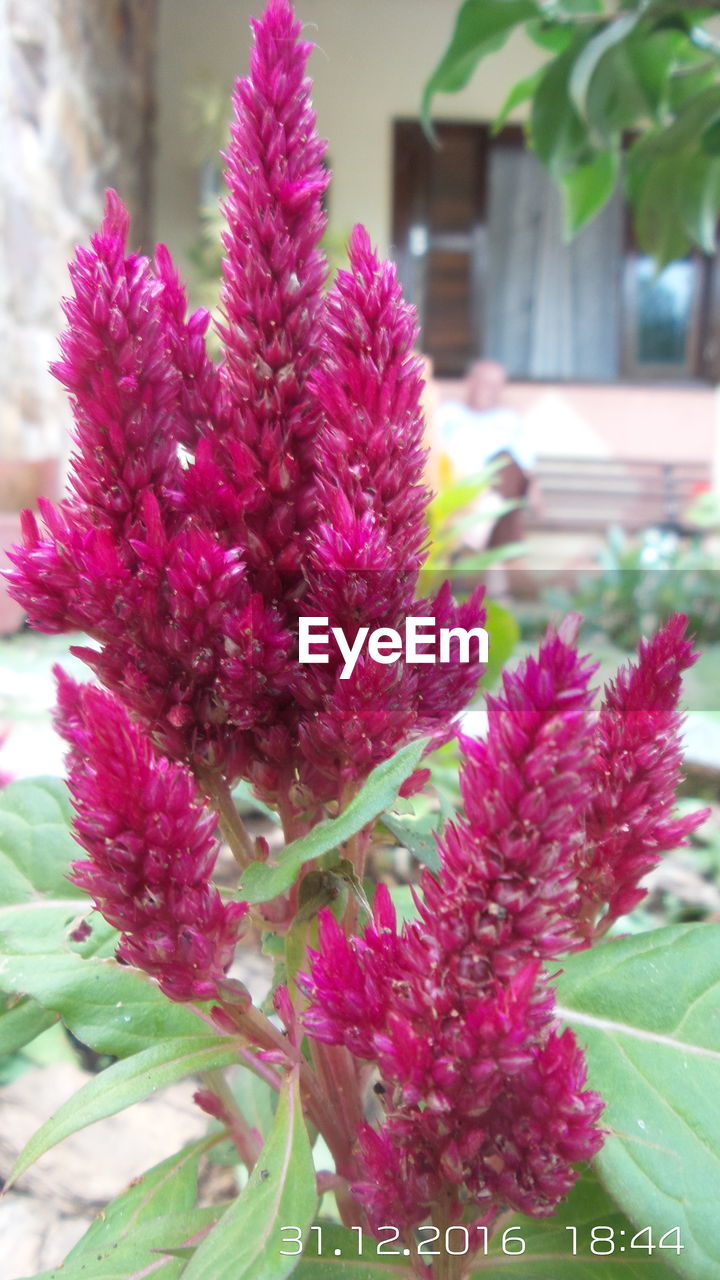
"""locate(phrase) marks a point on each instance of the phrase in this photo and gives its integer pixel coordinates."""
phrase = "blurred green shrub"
(642, 580)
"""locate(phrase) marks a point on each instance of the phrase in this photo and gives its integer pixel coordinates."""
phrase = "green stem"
(214, 786)
(246, 1141)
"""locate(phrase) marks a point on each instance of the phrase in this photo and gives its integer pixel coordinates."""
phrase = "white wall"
(371, 61)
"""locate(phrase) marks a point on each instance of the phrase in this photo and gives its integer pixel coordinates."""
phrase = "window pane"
(664, 312)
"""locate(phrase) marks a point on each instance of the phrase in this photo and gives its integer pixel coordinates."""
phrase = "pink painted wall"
(665, 424)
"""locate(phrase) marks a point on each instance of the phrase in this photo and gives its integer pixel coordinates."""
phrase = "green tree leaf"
(520, 92)
(246, 1243)
(660, 211)
(695, 117)
(700, 200)
(261, 882)
(559, 137)
(653, 55)
(587, 188)
(546, 34)
(124, 1083)
(482, 26)
(112, 1008)
(648, 1010)
(587, 63)
(576, 8)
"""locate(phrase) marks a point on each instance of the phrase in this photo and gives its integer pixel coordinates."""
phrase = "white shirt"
(470, 439)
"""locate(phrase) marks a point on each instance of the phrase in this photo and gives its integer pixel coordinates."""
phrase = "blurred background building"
(609, 366)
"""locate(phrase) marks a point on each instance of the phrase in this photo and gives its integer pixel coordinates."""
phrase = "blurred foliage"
(641, 581)
(645, 70)
(704, 512)
(456, 514)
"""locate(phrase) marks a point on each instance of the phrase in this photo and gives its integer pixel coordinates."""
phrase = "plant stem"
(336, 1075)
(233, 829)
(246, 1140)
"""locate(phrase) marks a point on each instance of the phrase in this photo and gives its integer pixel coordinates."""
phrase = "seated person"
(478, 430)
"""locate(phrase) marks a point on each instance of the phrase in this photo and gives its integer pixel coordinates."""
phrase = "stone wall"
(76, 114)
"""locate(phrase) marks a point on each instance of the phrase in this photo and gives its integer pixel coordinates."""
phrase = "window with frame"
(478, 236)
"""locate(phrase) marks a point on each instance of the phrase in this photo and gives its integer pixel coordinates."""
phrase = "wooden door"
(438, 232)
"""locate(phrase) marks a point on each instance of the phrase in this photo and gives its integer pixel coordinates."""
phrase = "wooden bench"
(591, 494)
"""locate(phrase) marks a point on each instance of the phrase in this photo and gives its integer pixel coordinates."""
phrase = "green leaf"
(344, 1255)
(710, 140)
(38, 800)
(520, 92)
(20, 1022)
(245, 800)
(684, 86)
(648, 1009)
(503, 635)
(588, 61)
(124, 1083)
(587, 188)
(318, 889)
(36, 850)
(416, 835)
(549, 1243)
(151, 1200)
(111, 1008)
(555, 36)
(482, 26)
(576, 8)
(659, 215)
(35, 858)
(486, 559)
(672, 183)
(246, 1243)
(652, 55)
(690, 123)
(261, 882)
(140, 1253)
(559, 136)
(256, 1098)
(700, 200)
(404, 902)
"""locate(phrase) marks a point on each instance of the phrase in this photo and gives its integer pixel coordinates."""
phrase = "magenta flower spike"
(274, 274)
(212, 511)
(124, 394)
(637, 767)
(152, 848)
(485, 1099)
(370, 538)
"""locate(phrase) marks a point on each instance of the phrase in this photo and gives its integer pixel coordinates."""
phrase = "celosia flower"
(485, 1099)
(455, 1010)
(637, 764)
(152, 848)
(367, 549)
(210, 505)
(274, 274)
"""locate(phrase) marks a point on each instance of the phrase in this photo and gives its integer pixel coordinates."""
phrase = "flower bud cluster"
(152, 847)
(210, 506)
